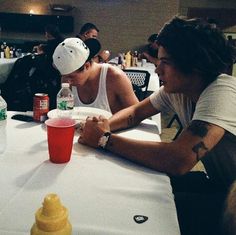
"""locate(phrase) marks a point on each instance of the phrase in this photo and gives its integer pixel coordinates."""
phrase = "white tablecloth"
(101, 191)
(5, 68)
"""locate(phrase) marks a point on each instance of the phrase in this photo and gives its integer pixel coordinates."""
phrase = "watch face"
(104, 139)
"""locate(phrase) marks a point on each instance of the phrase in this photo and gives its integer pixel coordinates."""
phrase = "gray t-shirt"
(216, 105)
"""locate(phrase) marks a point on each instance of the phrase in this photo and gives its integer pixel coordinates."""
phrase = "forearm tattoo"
(199, 128)
(200, 149)
(130, 121)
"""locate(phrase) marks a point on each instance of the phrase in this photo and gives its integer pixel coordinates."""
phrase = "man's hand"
(92, 130)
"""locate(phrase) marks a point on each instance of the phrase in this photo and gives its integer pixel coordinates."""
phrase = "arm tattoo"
(200, 149)
(130, 121)
(198, 128)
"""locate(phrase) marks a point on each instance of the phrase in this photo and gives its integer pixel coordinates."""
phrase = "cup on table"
(143, 62)
(60, 133)
(139, 64)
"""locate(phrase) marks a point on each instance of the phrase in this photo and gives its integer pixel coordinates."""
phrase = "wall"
(184, 4)
(123, 24)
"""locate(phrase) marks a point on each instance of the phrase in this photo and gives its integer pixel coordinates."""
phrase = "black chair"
(140, 81)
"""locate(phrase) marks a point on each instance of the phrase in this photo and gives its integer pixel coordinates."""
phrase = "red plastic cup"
(60, 133)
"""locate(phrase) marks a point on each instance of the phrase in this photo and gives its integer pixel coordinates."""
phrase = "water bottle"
(3, 123)
(65, 101)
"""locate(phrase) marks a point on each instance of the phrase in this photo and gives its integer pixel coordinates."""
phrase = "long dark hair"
(196, 47)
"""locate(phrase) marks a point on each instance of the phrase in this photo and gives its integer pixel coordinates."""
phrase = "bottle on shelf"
(135, 59)
(2, 53)
(121, 60)
(65, 101)
(7, 52)
(11, 52)
(51, 218)
(128, 59)
(3, 123)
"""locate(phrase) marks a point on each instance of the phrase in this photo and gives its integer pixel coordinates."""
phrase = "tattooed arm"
(132, 115)
(174, 158)
(200, 137)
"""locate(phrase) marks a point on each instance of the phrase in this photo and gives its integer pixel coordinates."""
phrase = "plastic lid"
(53, 216)
(67, 85)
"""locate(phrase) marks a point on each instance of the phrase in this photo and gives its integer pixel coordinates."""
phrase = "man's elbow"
(180, 168)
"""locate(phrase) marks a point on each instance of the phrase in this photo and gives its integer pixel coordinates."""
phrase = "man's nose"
(64, 78)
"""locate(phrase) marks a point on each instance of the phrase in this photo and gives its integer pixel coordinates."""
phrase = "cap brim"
(94, 47)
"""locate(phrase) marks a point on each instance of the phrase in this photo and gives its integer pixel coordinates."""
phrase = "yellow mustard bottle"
(51, 218)
(128, 59)
(7, 53)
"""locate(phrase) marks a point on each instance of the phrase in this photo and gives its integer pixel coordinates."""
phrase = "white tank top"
(101, 100)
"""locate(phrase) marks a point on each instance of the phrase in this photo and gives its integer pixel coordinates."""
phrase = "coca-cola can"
(41, 107)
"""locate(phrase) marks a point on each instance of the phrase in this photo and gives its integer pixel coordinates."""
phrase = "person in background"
(93, 85)
(229, 218)
(232, 42)
(90, 30)
(54, 37)
(152, 49)
(213, 22)
(192, 59)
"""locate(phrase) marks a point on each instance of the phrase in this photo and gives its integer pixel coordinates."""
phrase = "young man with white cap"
(93, 85)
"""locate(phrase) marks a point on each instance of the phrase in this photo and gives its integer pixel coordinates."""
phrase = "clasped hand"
(92, 130)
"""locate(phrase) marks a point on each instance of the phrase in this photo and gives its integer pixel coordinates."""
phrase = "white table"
(101, 191)
(5, 68)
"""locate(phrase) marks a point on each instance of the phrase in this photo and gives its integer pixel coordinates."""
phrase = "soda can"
(41, 107)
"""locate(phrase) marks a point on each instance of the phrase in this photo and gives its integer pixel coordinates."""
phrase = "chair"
(139, 80)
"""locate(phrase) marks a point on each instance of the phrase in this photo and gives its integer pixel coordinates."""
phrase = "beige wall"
(123, 24)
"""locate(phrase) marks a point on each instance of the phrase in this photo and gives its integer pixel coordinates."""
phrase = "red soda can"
(41, 107)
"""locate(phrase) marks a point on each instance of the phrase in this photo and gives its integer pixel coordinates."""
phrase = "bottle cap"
(52, 217)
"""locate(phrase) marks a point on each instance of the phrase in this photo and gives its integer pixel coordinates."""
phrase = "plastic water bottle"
(3, 123)
(65, 101)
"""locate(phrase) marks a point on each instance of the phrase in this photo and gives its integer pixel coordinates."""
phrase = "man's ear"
(87, 65)
(86, 35)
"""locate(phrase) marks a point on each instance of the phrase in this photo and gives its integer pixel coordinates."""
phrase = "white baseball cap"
(72, 53)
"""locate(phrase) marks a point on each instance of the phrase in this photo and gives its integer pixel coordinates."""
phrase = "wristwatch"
(103, 140)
